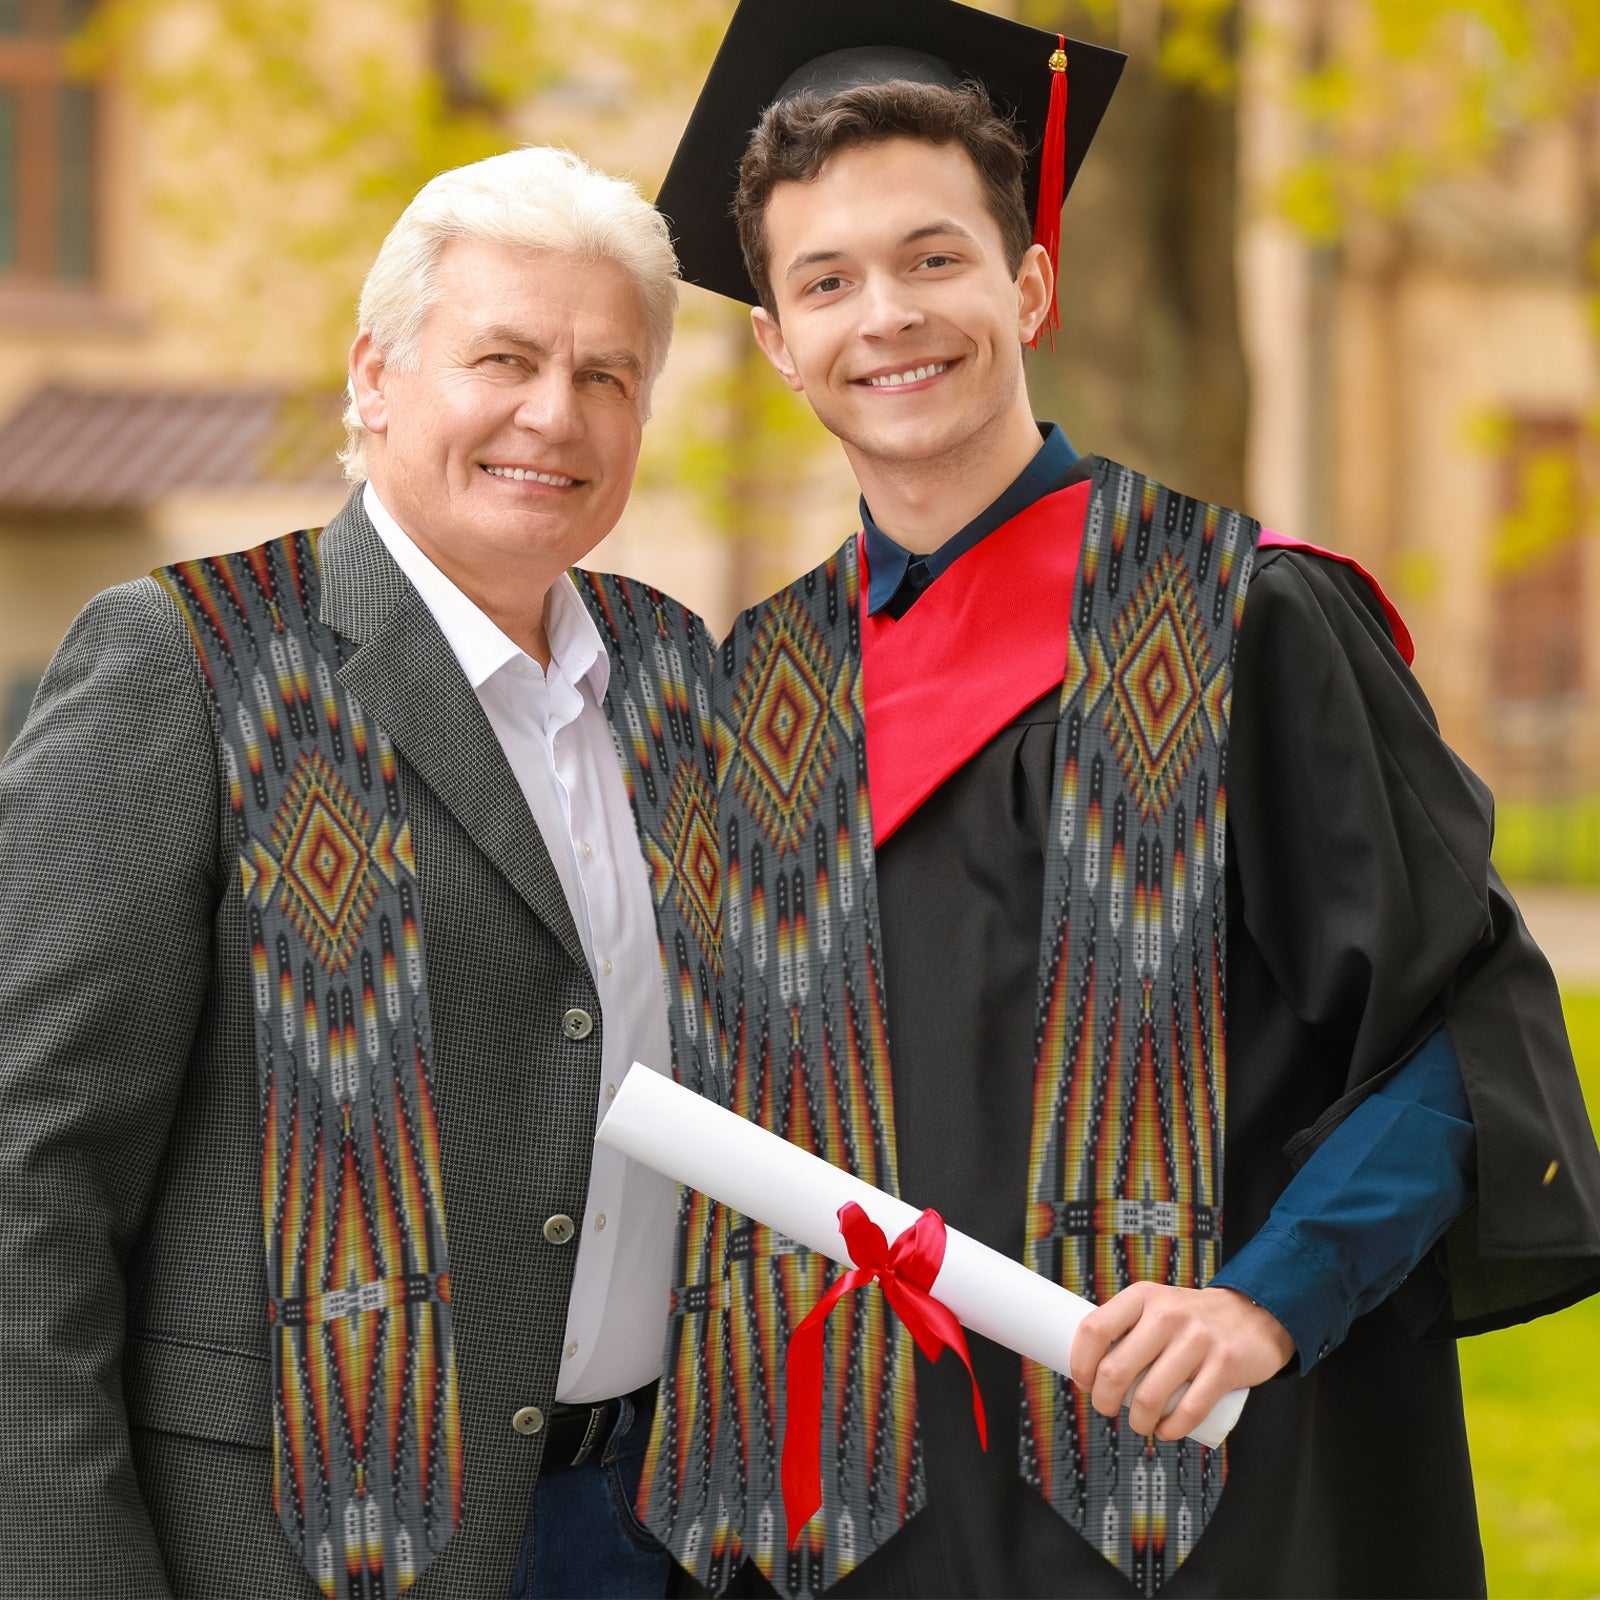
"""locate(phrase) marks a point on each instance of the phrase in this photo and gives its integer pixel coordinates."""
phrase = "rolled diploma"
(675, 1131)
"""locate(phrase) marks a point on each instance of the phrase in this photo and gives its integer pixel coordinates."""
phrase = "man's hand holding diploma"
(1214, 1340)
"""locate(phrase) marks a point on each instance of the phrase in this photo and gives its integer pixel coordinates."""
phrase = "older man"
(327, 923)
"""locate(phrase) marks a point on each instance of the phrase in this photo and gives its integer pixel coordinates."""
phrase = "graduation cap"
(1055, 91)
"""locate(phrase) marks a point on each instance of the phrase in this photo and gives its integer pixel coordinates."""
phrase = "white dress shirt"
(558, 742)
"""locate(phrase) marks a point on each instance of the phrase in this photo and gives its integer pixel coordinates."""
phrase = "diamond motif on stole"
(320, 838)
(783, 736)
(1160, 654)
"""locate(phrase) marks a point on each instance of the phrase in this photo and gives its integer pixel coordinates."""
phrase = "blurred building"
(160, 401)
(1426, 396)
(1422, 394)
(121, 446)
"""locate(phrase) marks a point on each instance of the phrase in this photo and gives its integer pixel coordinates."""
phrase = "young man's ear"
(1036, 283)
(774, 347)
(366, 383)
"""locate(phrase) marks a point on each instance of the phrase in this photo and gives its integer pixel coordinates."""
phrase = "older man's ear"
(367, 367)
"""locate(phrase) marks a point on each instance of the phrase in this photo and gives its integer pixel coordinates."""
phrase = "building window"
(47, 147)
(1538, 566)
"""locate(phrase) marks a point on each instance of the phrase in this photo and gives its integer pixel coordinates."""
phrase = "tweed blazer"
(135, 1451)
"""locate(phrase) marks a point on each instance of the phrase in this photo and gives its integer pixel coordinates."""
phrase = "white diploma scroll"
(675, 1131)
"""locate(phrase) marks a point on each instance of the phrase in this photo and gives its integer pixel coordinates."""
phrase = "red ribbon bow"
(906, 1269)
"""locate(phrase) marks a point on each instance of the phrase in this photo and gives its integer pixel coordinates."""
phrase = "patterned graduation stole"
(366, 1427)
(1125, 1166)
(808, 1058)
(659, 706)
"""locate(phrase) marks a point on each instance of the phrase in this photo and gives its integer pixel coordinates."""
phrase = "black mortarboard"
(776, 48)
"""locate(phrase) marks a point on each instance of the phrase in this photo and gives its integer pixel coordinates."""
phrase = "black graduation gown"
(1362, 911)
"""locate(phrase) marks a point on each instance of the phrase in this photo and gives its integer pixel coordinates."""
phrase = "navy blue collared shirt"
(897, 577)
(1379, 1192)
(1367, 1206)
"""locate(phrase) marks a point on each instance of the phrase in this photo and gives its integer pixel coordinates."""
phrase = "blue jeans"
(583, 1540)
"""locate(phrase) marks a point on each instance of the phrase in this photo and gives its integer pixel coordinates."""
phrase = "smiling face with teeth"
(900, 321)
(507, 449)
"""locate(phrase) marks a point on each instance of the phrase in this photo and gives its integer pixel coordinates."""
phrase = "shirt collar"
(574, 639)
(476, 640)
(888, 562)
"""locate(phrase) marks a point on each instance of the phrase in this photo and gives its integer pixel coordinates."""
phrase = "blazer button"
(559, 1229)
(530, 1419)
(577, 1023)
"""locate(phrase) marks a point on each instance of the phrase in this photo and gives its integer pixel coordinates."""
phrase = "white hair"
(536, 197)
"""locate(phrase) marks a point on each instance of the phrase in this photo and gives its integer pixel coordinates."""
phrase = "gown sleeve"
(1360, 853)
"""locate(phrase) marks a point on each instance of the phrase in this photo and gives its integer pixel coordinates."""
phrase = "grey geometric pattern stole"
(658, 703)
(1125, 1169)
(366, 1425)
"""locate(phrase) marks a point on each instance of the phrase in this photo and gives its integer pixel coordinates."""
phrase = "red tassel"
(1052, 183)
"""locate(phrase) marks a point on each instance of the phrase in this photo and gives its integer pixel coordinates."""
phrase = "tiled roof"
(81, 450)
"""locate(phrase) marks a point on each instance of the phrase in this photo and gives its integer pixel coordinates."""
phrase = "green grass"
(1533, 1416)
(1548, 841)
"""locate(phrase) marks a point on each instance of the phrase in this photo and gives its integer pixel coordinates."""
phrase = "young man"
(326, 923)
(1023, 924)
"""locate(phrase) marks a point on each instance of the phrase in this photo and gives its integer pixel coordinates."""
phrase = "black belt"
(573, 1433)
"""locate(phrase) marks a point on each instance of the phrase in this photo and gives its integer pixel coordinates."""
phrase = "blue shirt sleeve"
(1367, 1206)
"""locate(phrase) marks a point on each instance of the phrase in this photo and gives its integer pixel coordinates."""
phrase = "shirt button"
(605, 967)
(571, 1350)
(588, 850)
(611, 1091)
(559, 1229)
(577, 1023)
(530, 1419)
(600, 1222)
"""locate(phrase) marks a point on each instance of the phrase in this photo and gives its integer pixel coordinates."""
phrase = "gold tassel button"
(1058, 61)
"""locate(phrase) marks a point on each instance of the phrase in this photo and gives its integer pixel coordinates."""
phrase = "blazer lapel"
(409, 682)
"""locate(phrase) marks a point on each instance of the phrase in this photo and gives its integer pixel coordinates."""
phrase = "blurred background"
(1334, 262)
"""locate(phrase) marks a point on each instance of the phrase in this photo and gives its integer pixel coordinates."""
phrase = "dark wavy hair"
(796, 137)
